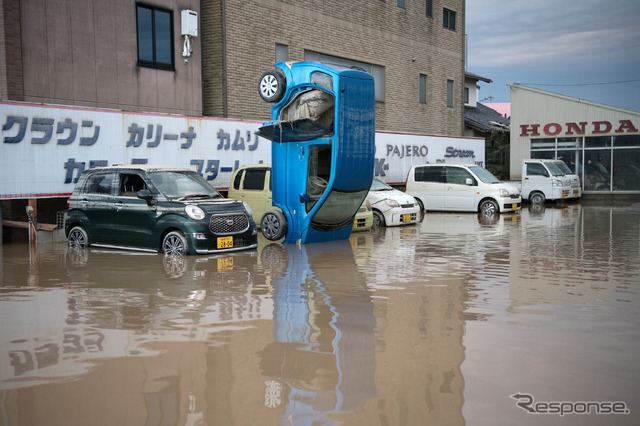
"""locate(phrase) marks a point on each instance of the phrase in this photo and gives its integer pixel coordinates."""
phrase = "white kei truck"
(544, 180)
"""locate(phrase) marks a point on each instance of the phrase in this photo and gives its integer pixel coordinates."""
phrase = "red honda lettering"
(548, 127)
(602, 127)
(533, 128)
(579, 129)
(626, 124)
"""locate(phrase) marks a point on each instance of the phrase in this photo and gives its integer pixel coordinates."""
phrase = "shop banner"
(45, 147)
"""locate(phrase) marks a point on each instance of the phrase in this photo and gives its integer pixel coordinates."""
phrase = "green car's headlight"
(194, 212)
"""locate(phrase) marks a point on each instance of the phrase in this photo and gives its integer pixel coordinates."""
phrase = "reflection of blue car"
(323, 133)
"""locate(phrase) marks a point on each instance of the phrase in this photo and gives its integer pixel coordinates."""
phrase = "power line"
(581, 84)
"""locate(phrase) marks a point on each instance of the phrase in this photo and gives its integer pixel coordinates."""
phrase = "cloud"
(548, 32)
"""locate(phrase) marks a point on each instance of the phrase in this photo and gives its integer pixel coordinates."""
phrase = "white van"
(460, 187)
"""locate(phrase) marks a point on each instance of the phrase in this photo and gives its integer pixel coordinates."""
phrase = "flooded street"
(457, 320)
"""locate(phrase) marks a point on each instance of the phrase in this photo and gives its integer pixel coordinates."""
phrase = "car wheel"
(273, 225)
(174, 244)
(489, 207)
(378, 219)
(78, 237)
(537, 198)
(272, 86)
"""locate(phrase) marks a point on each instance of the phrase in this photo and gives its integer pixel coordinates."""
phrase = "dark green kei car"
(158, 209)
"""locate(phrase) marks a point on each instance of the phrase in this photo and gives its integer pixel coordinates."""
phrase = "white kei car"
(390, 206)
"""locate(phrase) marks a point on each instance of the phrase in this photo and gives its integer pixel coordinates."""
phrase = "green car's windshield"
(182, 184)
(483, 174)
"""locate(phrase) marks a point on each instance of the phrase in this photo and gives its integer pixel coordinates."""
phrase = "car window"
(484, 175)
(429, 174)
(99, 183)
(238, 178)
(554, 168)
(535, 169)
(254, 179)
(130, 184)
(319, 170)
(457, 175)
(177, 184)
(378, 185)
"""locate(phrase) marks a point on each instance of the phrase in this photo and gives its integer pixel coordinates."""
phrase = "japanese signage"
(45, 148)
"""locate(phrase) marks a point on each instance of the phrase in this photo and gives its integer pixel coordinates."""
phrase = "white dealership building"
(599, 142)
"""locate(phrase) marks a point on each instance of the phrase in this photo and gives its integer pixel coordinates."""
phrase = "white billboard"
(46, 147)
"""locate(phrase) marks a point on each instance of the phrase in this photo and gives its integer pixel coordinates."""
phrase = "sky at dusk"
(587, 49)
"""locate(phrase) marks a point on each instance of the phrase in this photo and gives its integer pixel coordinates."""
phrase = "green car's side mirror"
(145, 194)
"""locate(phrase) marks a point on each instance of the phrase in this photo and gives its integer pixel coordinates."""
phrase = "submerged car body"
(252, 185)
(390, 206)
(156, 208)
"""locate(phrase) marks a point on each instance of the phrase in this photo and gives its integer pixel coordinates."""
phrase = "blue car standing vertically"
(322, 153)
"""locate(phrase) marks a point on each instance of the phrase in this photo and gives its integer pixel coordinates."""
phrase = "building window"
(466, 95)
(450, 93)
(422, 88)
(429, 10)
(401, 3)
(282, 53)
(155, 37)
(377, 71)
(449, 19)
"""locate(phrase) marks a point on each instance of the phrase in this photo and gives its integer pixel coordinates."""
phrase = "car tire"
(272, 86)
(175, 244)
(537, 198)
(378, 219)
(78, 237)
(273, 225)
(489, 208)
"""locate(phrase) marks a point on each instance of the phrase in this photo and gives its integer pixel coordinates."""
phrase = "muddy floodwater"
(532, 318)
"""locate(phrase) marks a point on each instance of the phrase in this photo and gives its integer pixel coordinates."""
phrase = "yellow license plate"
(225, 263)
(514, 206)
(355, 223)
(225, 242)
(406, 218)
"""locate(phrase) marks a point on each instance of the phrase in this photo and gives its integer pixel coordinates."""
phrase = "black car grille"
(407, 206)
(229, 223)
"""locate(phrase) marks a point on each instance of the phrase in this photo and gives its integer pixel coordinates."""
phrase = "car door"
(458, 194)
(536, 177)
(255, 190)
(96, 201)
(429, 186)
(135, 217)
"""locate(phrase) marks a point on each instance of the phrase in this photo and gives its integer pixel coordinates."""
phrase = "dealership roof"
(485, 119)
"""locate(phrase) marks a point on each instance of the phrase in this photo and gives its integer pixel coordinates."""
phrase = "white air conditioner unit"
(189, 23)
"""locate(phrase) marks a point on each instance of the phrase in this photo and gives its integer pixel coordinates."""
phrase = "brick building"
(87, 53)
(72, 64)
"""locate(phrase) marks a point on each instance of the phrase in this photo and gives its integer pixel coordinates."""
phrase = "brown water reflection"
(438, 323)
